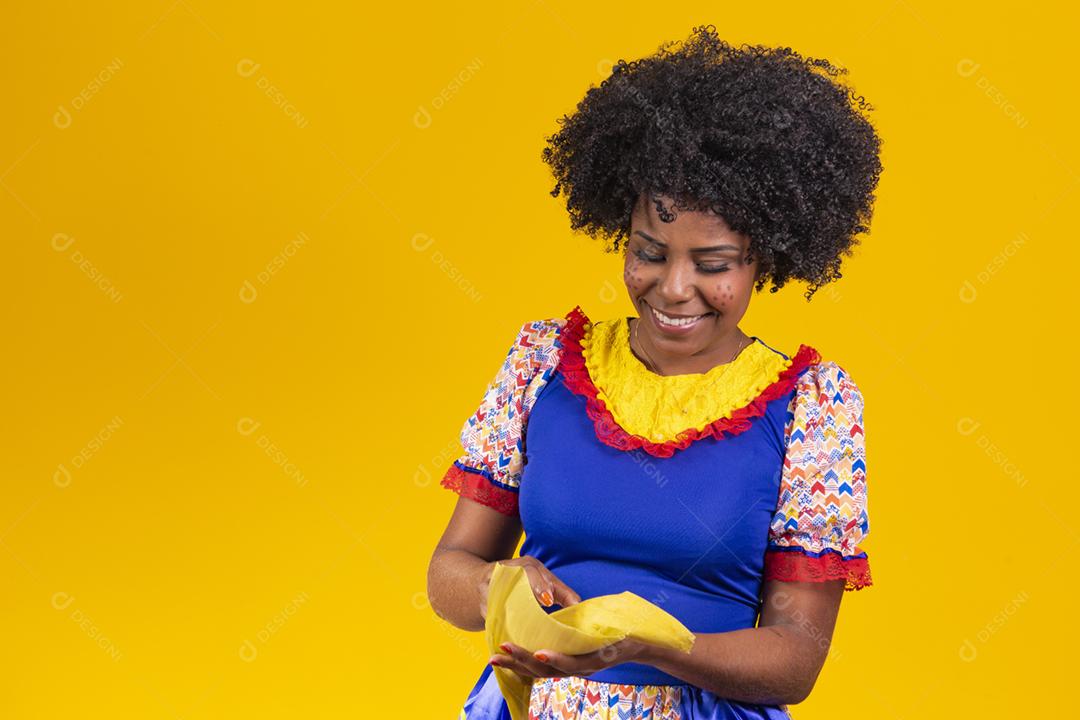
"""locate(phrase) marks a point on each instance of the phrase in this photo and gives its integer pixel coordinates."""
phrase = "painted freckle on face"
(718, 300)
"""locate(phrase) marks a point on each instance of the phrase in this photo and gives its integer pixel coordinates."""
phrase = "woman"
(671, 454)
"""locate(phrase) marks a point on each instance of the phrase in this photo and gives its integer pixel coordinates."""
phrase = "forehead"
(685, 226)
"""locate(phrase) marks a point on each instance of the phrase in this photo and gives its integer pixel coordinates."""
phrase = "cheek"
(632, 275)
(722, 295)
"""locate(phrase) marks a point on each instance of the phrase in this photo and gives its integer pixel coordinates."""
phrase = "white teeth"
(665, 320)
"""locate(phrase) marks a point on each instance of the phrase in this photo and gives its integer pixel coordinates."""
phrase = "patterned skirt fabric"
(576, 697)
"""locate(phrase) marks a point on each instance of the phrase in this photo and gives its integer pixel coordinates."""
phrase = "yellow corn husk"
(515, 616)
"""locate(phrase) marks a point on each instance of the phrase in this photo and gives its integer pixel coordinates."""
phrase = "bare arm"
(476, 538)
(777, 662)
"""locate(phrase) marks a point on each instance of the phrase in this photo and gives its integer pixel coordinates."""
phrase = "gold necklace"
(653, 364)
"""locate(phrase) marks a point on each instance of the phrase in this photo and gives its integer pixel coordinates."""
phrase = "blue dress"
(692, 521)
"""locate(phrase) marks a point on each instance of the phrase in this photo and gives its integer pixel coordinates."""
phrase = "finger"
(506, 662)
(531, 664)
(547, 588)
(541, 584)
(564, 595)
(523, 659)
(586, 663)
(560, 592)
(560, 663)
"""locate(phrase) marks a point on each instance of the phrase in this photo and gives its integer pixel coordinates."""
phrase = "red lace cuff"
(475, 486)
(791, 564)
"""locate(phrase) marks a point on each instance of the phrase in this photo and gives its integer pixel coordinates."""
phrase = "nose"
(676, 284)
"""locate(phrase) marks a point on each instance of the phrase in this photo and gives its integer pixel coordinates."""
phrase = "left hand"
(529, 665)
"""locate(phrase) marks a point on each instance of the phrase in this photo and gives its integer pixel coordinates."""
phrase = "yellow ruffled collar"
(663, 408)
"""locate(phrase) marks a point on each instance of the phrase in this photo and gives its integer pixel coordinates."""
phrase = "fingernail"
(495, 663)
(505, 647)
(542, 657)
(546, 598)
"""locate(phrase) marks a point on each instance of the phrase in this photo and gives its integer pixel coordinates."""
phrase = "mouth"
(675, 325)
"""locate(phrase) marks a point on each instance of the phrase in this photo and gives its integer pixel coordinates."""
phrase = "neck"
(700, 362)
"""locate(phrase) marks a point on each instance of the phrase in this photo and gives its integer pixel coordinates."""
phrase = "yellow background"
(263, 260)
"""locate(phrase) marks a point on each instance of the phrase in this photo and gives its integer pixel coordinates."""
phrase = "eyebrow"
(714, 248)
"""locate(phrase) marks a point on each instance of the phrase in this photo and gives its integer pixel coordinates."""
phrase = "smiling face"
(693, 267)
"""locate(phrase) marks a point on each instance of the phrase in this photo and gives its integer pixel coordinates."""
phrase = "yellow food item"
(514, 615)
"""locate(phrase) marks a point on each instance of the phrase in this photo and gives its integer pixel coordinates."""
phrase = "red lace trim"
(795, 566)
(576, 374)
(477, 487)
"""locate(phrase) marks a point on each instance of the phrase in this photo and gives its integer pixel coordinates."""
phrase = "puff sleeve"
(821, 516)
(489, 470)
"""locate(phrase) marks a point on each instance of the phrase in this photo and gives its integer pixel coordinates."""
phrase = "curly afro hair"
(771, 141)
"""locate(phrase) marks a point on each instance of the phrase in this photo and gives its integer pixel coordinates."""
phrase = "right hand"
(547, 588)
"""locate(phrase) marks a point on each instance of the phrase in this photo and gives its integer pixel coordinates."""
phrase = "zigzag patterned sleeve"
(489, 470)
(821, 516)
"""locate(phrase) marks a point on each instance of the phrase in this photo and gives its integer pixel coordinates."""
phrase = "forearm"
(453, 587)
(771, 665)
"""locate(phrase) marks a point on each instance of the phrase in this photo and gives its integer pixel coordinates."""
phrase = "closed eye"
(648, 258)
(659, 258)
